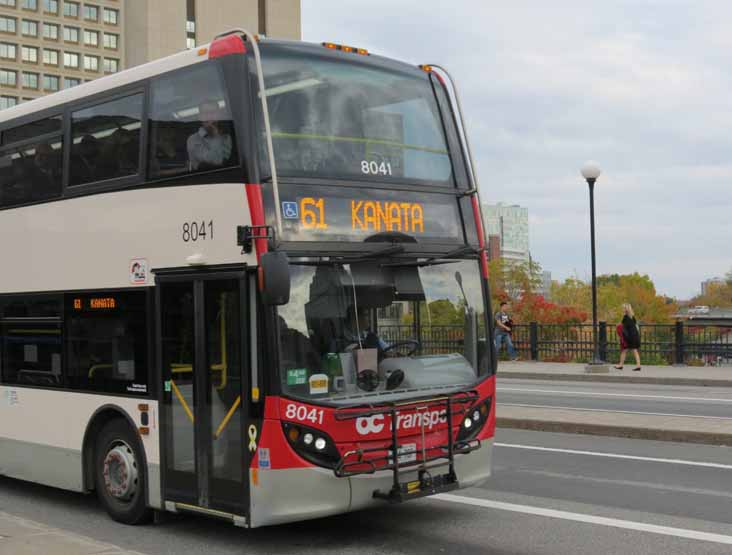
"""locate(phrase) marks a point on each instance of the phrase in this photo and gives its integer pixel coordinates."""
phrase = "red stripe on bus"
(481, 238)
(256, 210)
(232, 44)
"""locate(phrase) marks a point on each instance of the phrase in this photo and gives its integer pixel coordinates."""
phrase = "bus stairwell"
(401, 458)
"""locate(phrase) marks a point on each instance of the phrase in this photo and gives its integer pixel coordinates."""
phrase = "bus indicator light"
(344, 48)
(77, 304)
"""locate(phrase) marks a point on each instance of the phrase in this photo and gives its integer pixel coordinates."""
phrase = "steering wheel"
(394, 346)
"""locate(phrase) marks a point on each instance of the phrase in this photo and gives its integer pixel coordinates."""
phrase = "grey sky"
(642, 87)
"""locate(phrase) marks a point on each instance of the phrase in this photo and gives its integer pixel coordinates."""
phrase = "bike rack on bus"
(253, 40)
(371, 459)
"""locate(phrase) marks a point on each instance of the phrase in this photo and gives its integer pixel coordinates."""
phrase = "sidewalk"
(680, 429)
(19, 536)
(710, 376)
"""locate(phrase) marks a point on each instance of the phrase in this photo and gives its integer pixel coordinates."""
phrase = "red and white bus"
(248, 280)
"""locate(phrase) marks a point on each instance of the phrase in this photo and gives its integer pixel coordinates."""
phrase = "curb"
(697, 382)
(657, 434)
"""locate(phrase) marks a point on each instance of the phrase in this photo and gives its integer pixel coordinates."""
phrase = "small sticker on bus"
(319, 384)
(138, 271)
(297, 376)
(263, 455)
(290, 210)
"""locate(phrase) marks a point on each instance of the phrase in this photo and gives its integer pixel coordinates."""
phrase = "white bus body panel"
(42, 434)
(91, 242)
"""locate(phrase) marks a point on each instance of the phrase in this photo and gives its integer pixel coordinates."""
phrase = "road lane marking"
(600, 394)
(615, 411)
(588, 519)
(627, 483)
(615, 456)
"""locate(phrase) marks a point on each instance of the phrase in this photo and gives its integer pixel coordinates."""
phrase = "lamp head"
(590, 170)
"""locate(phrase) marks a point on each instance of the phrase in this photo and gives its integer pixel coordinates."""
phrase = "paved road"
(639, 398)
(551, 493)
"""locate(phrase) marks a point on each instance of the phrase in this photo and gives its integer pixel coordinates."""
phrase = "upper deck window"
(352, 119)
(31, 172)
(191, 128)
(106, 141)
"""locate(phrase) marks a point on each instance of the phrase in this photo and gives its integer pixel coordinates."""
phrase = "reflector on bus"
(344, 48)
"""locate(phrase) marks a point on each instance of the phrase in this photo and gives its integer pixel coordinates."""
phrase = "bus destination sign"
(352, 217)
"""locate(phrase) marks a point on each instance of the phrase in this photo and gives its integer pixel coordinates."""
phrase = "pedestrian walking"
(629, 334)
(503, 331)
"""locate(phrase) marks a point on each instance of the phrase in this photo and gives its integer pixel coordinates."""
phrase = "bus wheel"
(119, 474)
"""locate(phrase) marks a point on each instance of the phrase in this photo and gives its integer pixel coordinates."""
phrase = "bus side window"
(106, 140)
(106, 342)
(31, 173)
(31, 340)
(190, 123)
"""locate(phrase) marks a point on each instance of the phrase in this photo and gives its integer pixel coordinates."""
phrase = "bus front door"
(201, 352)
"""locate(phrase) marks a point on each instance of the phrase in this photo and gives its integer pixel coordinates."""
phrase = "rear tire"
(119, 474)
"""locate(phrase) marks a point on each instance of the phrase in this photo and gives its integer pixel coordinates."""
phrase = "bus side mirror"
(274, 278)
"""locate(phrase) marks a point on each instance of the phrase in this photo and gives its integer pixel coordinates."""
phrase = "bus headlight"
(312, 445)
(474, 420)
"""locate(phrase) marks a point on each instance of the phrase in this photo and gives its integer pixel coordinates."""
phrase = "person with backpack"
(503, 325)
(629, 334)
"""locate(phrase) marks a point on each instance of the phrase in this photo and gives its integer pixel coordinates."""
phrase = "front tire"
(119, 474)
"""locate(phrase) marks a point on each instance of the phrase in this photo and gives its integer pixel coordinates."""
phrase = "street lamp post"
(591, 171)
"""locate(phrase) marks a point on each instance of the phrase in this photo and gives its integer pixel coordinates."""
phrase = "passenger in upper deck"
(210, 146)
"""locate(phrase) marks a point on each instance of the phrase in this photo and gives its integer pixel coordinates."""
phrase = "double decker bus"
(249, 281)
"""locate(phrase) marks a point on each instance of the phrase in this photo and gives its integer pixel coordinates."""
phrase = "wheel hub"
(120, 472)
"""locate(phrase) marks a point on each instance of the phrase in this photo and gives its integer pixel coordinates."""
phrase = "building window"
(8, 102)
(91, 38)
(111, 65)
(9, 3)
(111, 40)
(71, 82)
(29, 28)
(91, 13)
(106, 140)
(29, 54)
(7, 24)
(50, 31)
(8, 77)
(71, 9)
(30, 80)
(8, 51)
(29, 4)
(111, 16)
(50, 57)
(91, 63)
(71, 59)
(71, 34)
(50, 82)
(50, 6)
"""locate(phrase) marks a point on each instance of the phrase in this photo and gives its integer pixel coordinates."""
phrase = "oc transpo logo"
(374, 424)
(370, 424)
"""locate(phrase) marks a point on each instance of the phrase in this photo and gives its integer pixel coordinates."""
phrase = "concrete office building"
(511, 224)
(48, 45)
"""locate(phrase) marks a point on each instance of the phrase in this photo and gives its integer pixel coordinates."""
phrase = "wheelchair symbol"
(289, 210)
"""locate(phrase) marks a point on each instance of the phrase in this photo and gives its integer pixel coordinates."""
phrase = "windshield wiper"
(434, 260)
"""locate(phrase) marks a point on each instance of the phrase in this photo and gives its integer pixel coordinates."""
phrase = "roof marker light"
(344, 48)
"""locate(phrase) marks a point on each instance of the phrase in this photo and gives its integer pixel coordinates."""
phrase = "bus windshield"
(369, 329)
(344, 118)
